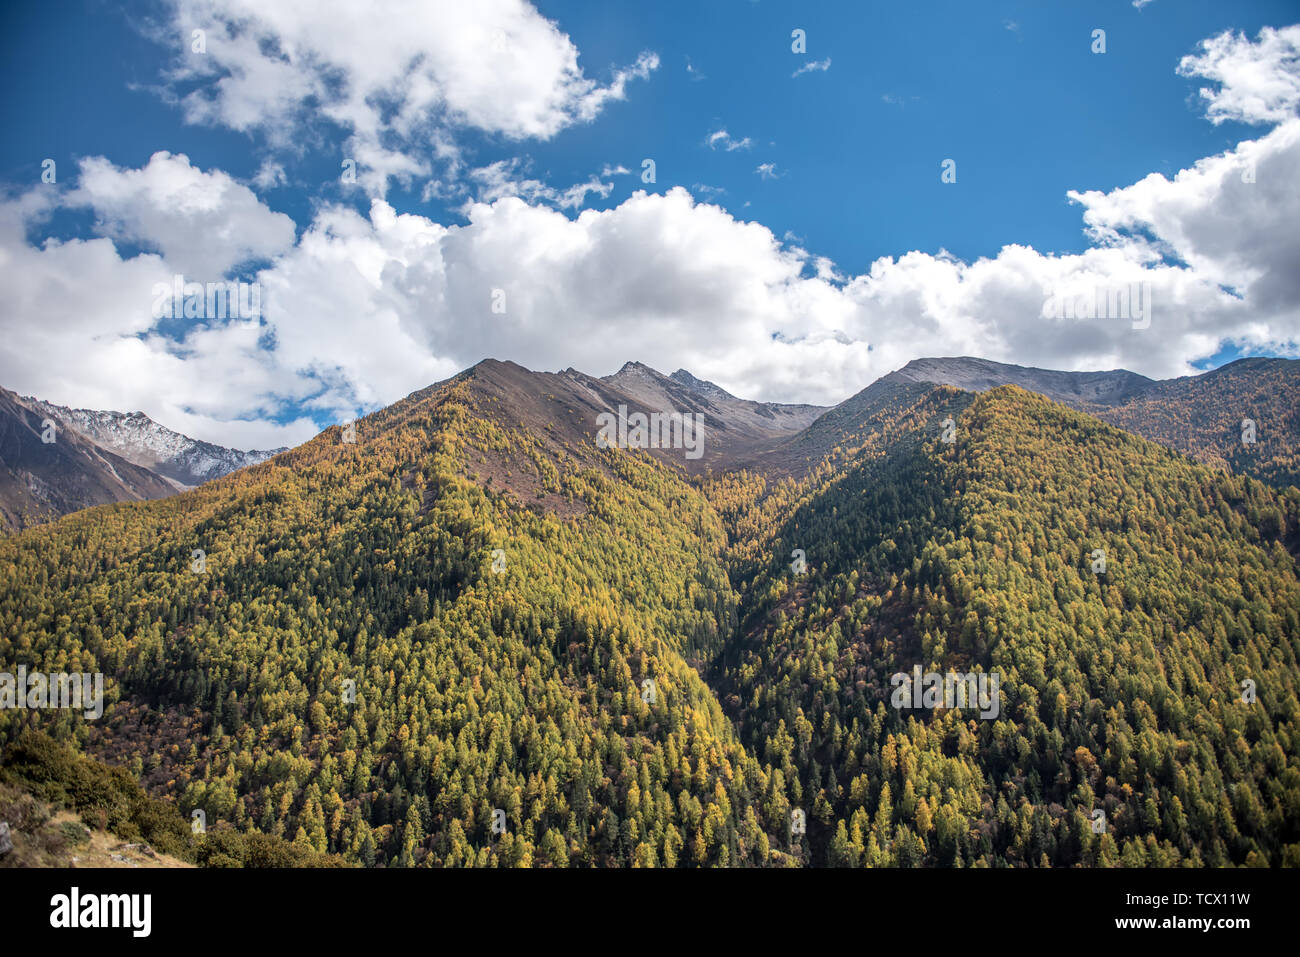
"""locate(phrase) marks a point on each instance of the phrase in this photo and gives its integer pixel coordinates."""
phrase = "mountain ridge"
(978, 375)
(142, 440)
(47, 470)
(1200, 415)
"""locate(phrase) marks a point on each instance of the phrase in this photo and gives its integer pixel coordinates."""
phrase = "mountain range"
(471, 634)
(136, 437)
(47, 471)
(1198, 415)
(109, 457)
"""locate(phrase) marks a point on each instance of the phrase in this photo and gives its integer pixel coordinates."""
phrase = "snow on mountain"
(139, 439)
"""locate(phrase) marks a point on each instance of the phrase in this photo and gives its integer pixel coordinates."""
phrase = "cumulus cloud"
(393, 73)
(79, 330)
(1258, 82)
(1220, 217)
(363, 309)
(202, 223)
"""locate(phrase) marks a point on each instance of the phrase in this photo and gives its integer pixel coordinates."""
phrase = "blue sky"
(822, 163)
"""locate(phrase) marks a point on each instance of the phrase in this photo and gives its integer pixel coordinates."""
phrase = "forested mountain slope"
(1121, 689)
(379, 651)
(369, 647)
(1204, 416)
(1244, 416)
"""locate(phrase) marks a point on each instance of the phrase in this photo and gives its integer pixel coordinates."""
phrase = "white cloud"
(1221, 217)
(269, 175)
(727, 141)
(396, 74)
(362, 310)
(77, 324)
(505, 178)
(766, 171)
(812, 66)
(1258, 82)
(203, 223)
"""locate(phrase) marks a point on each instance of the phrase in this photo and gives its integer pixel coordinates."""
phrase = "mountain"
(735, 429)
(1205, 416)
(563, 410)
(40, 480)
(402, 649)
(1100, 577)
(979, 375)
(1201, 415)
(857, 420)
(476, 636)
(96, 458)
(139, 439)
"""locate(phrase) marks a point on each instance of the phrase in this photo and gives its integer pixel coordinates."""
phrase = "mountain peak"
(702, 386)
(142, 441)
(637, 368)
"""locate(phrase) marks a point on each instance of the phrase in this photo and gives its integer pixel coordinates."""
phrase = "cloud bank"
(359, 310)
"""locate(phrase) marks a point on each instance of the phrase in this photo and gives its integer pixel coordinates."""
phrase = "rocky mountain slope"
(139, 439)
(979, 375)
(40, 480)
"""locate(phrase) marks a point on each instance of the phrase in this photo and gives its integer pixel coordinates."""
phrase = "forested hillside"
(549, 679)
(1122, 689)
(1244, 417)
(368, 648)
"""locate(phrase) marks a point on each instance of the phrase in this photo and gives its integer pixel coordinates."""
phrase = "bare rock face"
(6, 842)
(55, 460)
